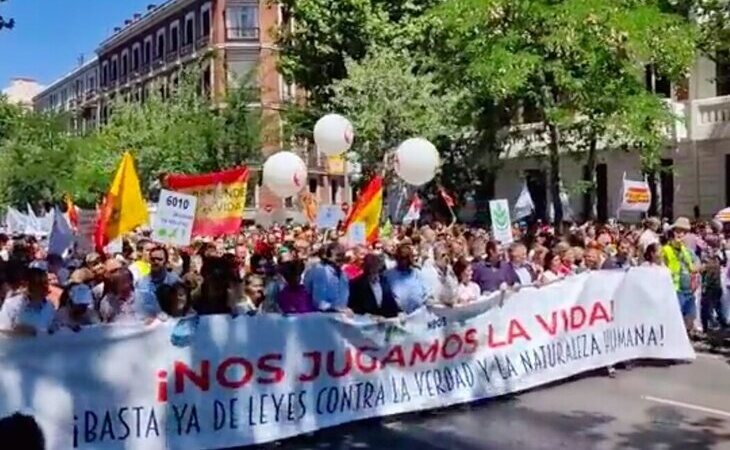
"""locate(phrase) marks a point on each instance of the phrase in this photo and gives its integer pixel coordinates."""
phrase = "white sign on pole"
(85, 230)
(356, 234)
(173, 223)
(328, 216)
(501, 222)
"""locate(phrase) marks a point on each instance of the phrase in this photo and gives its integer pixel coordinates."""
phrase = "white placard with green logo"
(501, 222)
(173, 223)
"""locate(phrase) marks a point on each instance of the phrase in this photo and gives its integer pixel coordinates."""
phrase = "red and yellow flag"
(221, 199)
(124, 208)
(368, 208)
(73, 215)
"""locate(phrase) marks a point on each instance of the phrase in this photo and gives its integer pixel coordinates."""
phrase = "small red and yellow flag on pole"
(368, 208)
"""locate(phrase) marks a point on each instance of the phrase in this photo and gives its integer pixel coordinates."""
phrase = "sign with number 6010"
(176, 201)
(173, 223)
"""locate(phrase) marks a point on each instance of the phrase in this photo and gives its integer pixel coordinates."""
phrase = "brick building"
(236, 37)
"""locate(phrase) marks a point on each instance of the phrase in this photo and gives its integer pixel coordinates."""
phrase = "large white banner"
(221, 381)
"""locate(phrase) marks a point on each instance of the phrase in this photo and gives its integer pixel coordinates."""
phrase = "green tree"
(388, 100)
(35, 157)
(557, 56)
(183, 132)
(327, 33)
(180, 132)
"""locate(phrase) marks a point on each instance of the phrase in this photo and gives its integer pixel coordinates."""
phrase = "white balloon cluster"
(285, 174)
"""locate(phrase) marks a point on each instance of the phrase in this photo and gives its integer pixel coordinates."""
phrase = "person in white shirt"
(552, 268)
(439, 277)
(467, 290)
(649, 235)
(29, 313)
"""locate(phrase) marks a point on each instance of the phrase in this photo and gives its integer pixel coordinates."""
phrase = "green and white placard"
(501, 222)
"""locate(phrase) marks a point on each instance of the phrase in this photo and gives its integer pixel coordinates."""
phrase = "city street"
(679, 407)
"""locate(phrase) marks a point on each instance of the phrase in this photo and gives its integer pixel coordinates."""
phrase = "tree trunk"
(554, 160)
(589, 177)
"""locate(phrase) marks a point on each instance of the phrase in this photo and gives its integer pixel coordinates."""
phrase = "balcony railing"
(242, 34)
(710, 118)
(172, 56)
(202, 41)
(186, 49)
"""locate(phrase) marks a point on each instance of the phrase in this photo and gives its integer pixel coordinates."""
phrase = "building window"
(147, 57)
(90, 83)
(722, 74)
(189, 29)
(242, 22)
(125, 63)
(114, 73)
(174, 36)
(205, 19)
(160, 44)
(64, 98)
(79, 88)
(656, 83)
(135, 57)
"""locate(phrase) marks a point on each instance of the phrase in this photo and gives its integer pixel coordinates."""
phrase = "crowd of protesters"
(297, 270)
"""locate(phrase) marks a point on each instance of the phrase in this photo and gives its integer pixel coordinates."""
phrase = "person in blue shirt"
(404, 283)
(327, 283)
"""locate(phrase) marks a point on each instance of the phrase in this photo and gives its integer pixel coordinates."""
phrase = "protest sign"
(221, 199)
(85, 230)
(174, 218)
(328, 216)
(636, 196)
(357, 234)
(501, 223)
(219, 382)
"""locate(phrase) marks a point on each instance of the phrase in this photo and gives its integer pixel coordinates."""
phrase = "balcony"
(242, 34)
(202, 41)
(709, 118)
(186, 49)
(158, 63)
(172, 56)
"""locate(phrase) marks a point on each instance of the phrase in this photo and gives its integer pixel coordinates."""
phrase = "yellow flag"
(124, 208)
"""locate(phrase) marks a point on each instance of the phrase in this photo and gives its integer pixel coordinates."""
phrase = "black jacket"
(362, 299)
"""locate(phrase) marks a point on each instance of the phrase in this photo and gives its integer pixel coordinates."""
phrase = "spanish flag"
(124, 208)
(368, 209)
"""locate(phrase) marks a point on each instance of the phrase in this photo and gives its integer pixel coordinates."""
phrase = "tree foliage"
(389, 100)
(575, 62)
(182, 132)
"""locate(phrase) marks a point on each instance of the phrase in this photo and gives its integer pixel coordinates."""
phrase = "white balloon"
(416, 161)
(333, 134)
(285, 174)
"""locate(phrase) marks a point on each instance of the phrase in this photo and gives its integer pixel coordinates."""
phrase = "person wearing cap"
(76, 309)
(679, 261)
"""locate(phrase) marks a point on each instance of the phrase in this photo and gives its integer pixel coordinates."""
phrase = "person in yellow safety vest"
(680, 263)
(141, 267)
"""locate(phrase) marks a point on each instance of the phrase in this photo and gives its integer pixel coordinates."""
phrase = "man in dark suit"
(366, 291)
